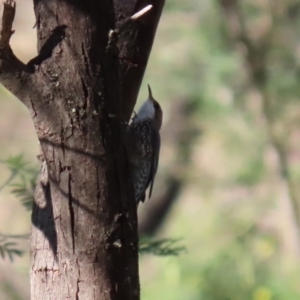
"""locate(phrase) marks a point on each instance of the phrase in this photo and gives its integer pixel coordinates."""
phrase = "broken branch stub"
(9, 11)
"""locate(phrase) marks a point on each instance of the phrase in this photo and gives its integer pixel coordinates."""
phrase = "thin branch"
(282, 154)
(9, 12)
(113, 34)
(141, 12)
(14, 74)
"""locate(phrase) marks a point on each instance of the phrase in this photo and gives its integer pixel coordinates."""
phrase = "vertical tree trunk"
(80, 89)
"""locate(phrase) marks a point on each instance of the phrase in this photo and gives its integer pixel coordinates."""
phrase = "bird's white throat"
(146, 111)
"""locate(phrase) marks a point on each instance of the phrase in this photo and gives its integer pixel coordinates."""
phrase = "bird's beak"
(150, 92)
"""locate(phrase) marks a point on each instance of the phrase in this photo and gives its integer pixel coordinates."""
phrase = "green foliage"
(9, 291)
(14, 164)
(163, 247)
(9, 248)
(251, 173)
(25, 191)
(236, 261)
(22, 179)
(232, 211)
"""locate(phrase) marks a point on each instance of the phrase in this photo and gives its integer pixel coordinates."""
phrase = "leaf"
(163, 247)
(19, 168)
(25, 191)
(2, 253)
(14, 252)
(8, 249)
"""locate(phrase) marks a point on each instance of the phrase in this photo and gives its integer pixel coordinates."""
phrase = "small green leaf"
(163, 247)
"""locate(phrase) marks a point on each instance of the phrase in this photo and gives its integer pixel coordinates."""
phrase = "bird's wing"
(154, 159)
(141, 179)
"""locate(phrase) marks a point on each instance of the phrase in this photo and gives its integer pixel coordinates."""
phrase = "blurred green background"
(226, 74)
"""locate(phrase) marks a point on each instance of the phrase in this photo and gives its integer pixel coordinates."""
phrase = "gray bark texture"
(80, 90)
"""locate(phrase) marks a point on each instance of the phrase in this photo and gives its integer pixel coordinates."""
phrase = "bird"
(143, 146)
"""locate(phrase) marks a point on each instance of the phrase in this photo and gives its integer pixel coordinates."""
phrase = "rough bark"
(84, 242)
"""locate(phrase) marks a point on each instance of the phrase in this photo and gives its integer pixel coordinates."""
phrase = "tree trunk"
(80, 89)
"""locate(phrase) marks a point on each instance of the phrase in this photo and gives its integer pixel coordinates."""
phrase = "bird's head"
(150, 110)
